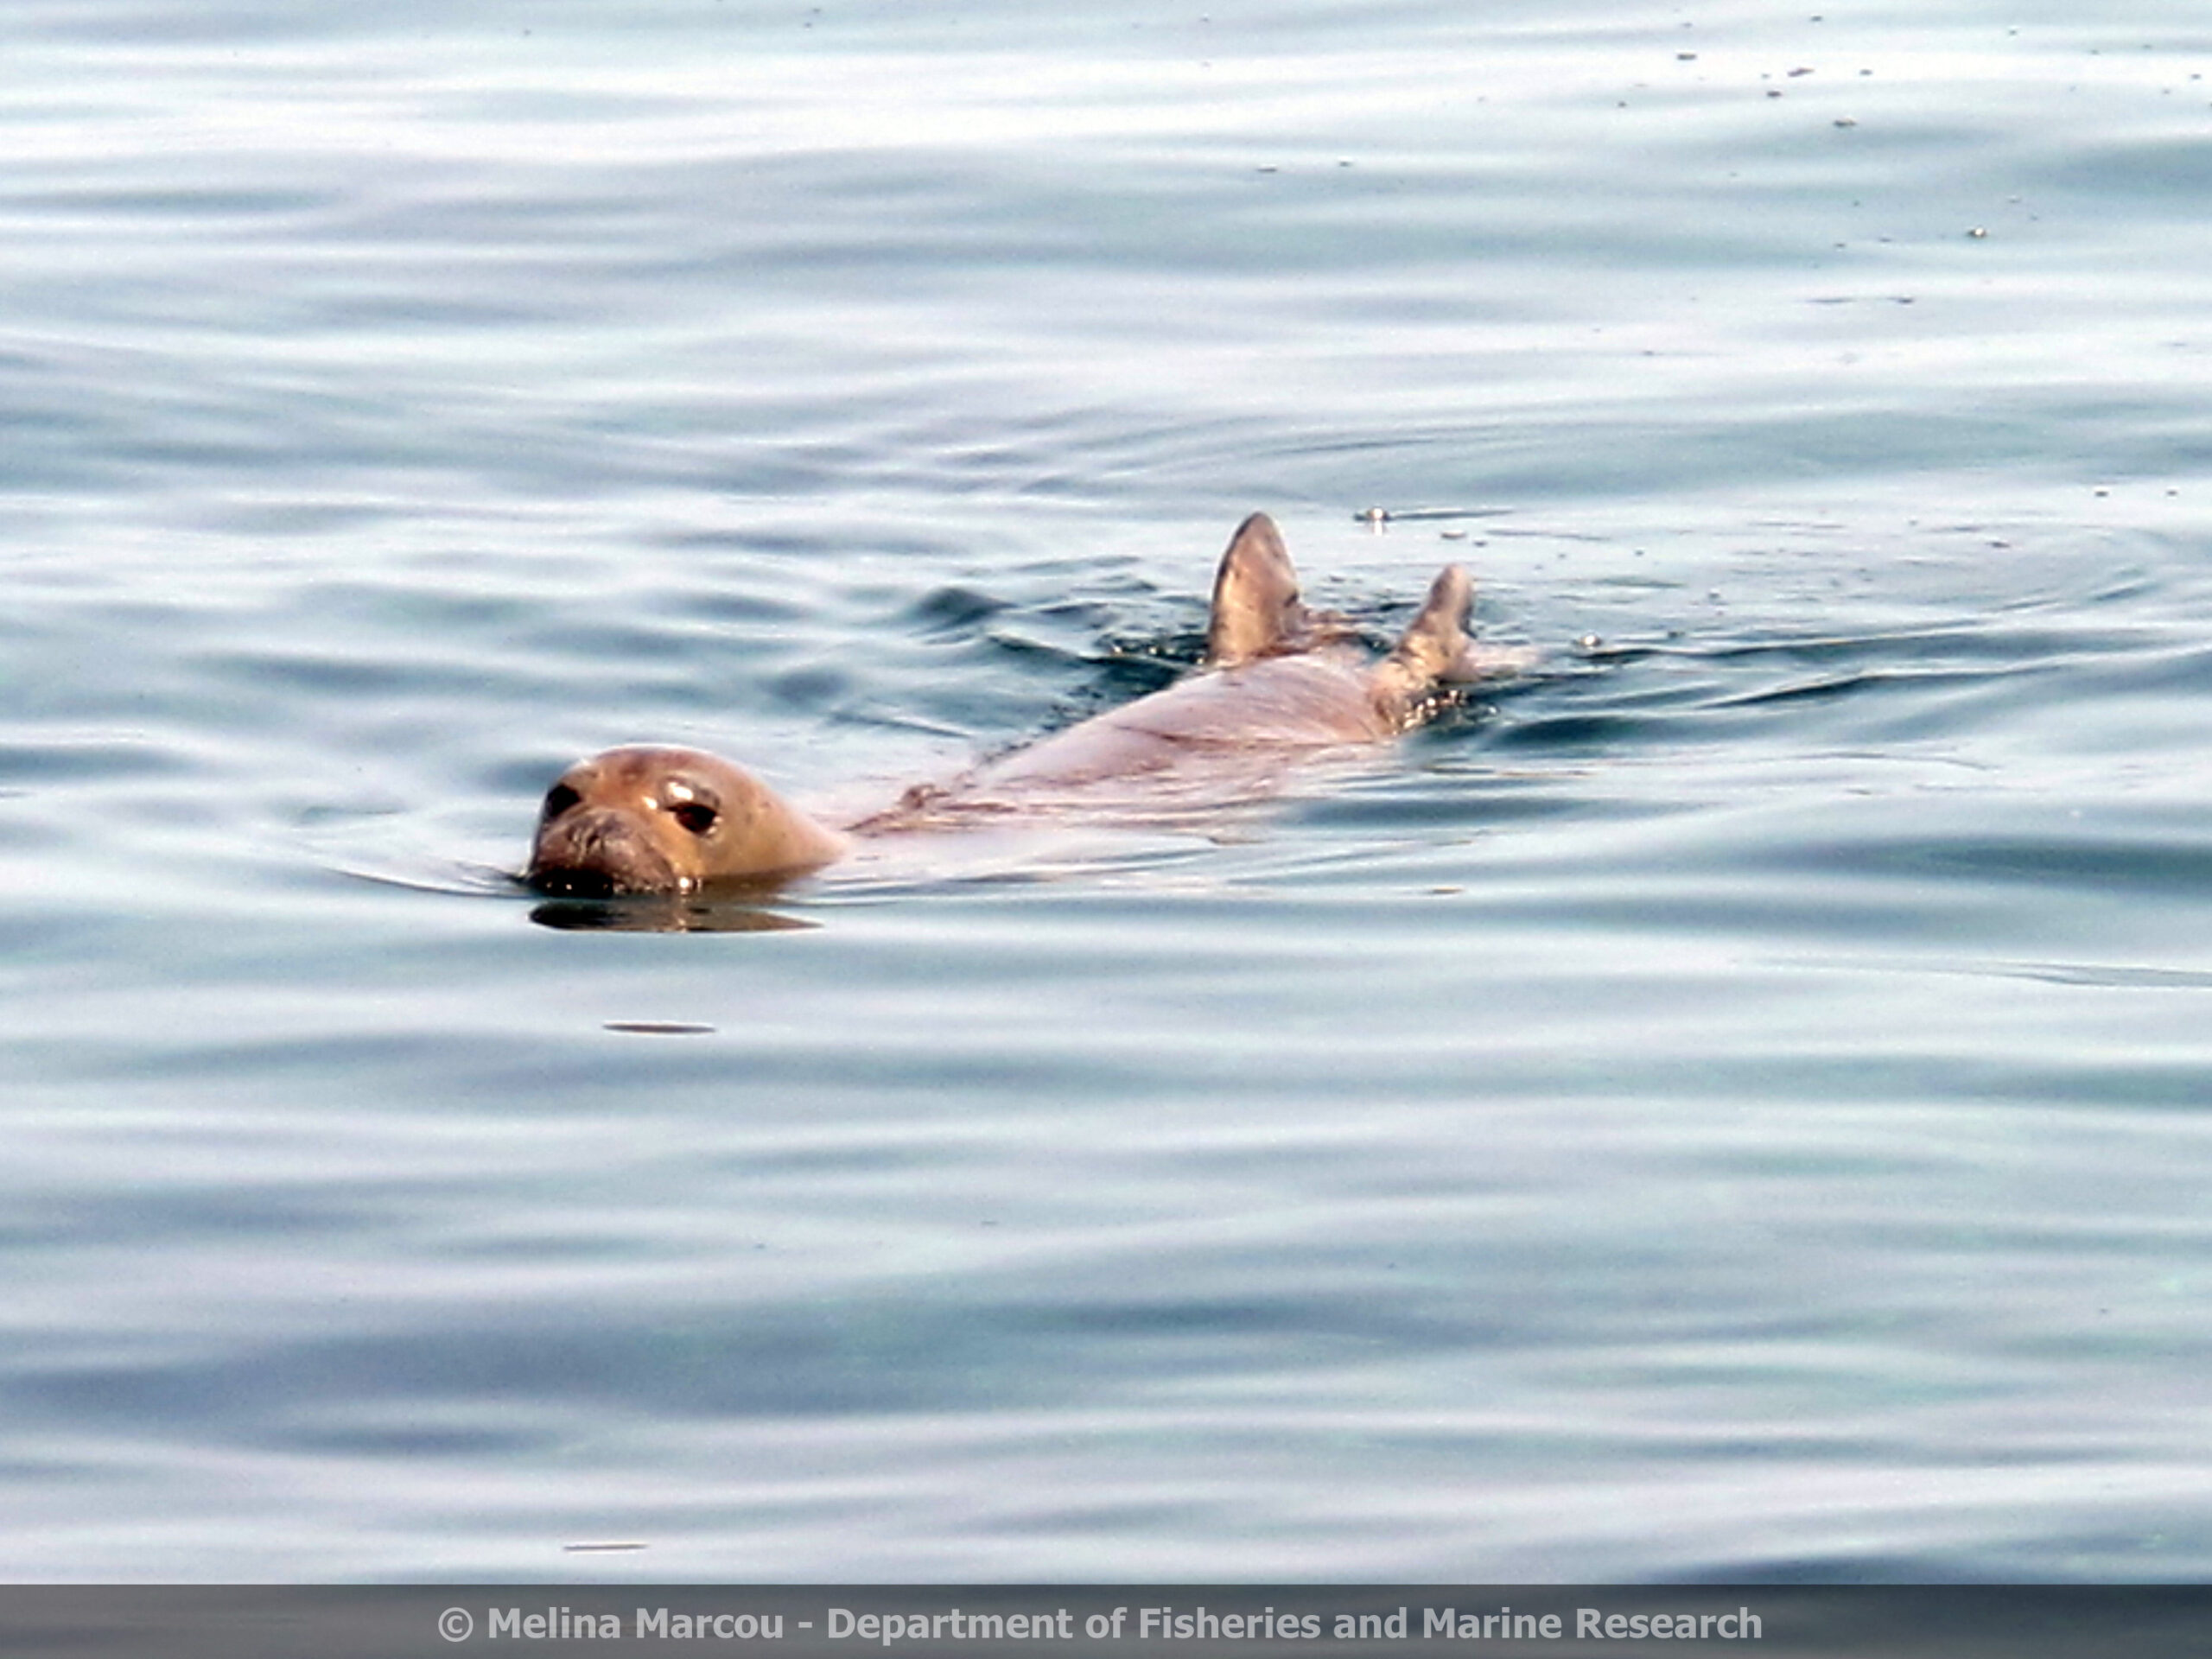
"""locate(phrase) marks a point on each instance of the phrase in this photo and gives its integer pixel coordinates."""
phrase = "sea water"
(1729, 1102)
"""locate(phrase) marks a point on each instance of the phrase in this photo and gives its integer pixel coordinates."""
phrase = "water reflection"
(664, 914)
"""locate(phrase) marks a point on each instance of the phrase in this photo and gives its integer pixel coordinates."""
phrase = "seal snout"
(586, 851)
(562, 882)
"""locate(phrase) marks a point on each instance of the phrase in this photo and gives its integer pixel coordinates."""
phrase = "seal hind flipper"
(1257, 610)
(1436, 639)
(1433, 649)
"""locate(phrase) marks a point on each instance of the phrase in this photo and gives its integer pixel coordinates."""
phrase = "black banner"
(1101, 1621)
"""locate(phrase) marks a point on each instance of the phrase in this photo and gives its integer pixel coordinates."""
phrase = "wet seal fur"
(1279, 680)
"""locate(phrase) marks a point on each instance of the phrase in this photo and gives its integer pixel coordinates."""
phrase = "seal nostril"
(559, 799)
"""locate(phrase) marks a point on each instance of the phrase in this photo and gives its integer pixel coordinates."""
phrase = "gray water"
(1731, 1102)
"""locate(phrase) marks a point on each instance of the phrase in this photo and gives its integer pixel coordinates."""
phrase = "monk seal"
(1279, 680)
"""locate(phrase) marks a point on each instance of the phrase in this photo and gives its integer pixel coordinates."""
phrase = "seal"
(1279, 681)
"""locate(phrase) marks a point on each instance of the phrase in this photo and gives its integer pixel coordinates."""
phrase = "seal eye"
(696, 816)
(559, 799)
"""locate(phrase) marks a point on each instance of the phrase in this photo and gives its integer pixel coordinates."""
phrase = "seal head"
(656, 820)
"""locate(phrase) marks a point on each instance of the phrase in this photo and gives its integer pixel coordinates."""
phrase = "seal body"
(1316, 700)
(1279, 681)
